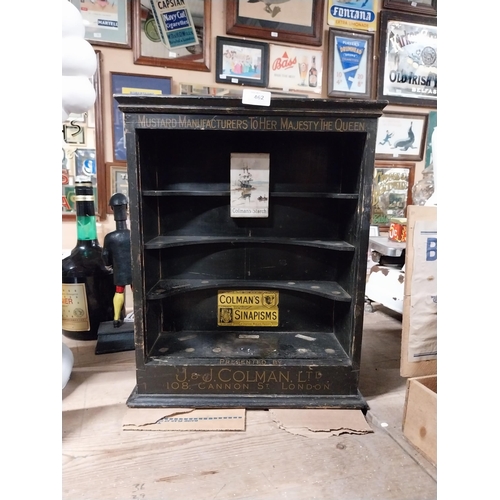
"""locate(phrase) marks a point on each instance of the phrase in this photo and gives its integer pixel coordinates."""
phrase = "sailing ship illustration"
(244, 184)
(245, 179)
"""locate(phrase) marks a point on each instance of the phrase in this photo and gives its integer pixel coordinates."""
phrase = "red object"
(397, 231)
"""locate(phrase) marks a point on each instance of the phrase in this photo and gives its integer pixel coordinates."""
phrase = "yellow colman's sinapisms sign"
(247, 308)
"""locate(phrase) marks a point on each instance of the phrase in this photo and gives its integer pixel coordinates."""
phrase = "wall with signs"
(121, 60)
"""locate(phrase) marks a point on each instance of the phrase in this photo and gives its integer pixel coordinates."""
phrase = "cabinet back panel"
(315, 162)
(210, 216)
(197, 311)
(251, 262)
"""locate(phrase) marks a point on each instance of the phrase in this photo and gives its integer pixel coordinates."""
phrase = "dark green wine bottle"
(87, 283)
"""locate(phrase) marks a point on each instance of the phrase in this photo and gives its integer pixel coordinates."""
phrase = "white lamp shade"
(72, 22)
(78, 57)
(67, 364)
(65, 115)
(78, 94)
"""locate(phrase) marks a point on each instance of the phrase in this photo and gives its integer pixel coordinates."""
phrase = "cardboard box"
(420, 415)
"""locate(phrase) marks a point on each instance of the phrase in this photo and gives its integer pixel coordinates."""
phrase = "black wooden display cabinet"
(310, 253)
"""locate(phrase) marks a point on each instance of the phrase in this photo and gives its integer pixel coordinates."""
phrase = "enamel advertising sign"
(353, 14)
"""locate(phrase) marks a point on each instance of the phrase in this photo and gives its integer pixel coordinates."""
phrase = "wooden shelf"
(226, 192)
(170, 287)
(175, 241)
(192, 346)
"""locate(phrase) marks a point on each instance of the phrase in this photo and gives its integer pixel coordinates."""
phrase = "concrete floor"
(384, 389)
(101, 461)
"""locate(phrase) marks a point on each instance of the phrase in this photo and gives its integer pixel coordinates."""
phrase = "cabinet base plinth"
(252, 401)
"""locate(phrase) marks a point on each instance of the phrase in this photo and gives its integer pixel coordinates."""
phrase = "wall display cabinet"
(249, 228)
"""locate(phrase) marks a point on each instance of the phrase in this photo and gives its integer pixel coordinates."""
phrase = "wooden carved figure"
(117, 254)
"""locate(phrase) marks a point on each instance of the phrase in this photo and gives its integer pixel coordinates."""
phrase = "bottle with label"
(313, 74)
(87, 283)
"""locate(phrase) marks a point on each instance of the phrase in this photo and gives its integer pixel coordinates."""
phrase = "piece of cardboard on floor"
(321, 423)
(184, 419)
(316, 423)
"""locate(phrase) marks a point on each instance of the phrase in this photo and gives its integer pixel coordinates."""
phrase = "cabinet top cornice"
(223, 105)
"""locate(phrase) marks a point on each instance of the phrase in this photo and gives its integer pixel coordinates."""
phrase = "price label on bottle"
(256, 97)
(75, 311)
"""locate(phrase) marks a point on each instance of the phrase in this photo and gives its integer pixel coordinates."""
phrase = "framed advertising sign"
(408, 64)
(106, 22)
(391, 194)
(350, 56)
(359, 15)
(173, 34)
(295, 69)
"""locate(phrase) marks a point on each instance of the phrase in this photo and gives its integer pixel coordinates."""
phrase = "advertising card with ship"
(249, 185)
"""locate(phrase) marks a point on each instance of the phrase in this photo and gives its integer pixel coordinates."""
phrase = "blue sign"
(350, 53)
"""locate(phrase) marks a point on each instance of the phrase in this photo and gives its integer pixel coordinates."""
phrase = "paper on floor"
(321, 423)
(184, 419)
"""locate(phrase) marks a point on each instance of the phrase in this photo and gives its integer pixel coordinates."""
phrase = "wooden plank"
(420, 415)
(424, 367)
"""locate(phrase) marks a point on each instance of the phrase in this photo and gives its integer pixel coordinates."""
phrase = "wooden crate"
(420, 415)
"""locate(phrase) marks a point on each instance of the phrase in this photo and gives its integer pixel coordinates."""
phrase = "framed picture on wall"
(391, 194)
(85, 162)
(350, 56)
(116, 181)
(401, 136)
(290, 21)
(74, 133)
(126, 83)
(408, 61)
(358, 15)
(431, 125)
(242, 62)
(172, 34)
(106, 22)
(198, 89)
(295, 69)
(428, 7)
